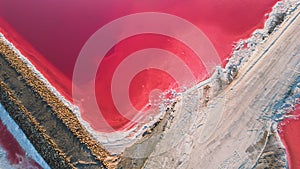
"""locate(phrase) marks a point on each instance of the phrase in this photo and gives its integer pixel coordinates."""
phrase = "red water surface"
(51, 33)
(15, 154)
(146, 80)
(290, 135)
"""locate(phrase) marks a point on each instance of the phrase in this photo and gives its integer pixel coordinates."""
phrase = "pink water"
(15, 154)
(290, 136)
(52, 33)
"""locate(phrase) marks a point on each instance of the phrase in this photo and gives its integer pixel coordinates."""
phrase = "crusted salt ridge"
(281, 11)
(240, 55)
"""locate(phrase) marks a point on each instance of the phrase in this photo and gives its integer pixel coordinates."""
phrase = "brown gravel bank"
(51, 127)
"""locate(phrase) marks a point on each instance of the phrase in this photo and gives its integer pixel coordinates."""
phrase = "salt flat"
(231, 129)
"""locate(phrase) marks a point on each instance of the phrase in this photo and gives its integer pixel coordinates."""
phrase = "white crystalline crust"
(21, 138)
(240, 55)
